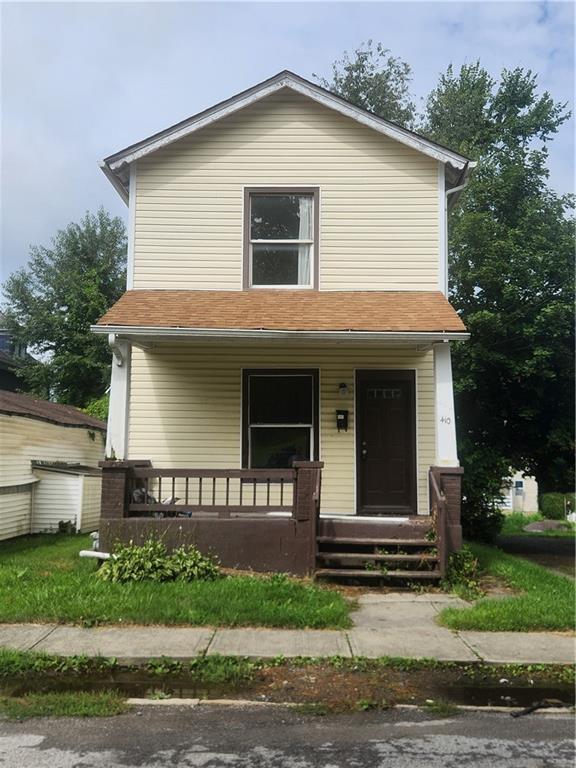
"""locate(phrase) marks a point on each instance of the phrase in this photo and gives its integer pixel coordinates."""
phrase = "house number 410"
(446, 420)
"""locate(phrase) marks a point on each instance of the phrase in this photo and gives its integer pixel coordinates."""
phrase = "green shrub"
(481, 483)
(152, 562)
(552, 505)
(189, 565)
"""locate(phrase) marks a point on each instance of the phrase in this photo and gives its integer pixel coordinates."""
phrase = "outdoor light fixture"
(343, 389)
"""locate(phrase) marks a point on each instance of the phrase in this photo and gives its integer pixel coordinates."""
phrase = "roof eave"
(115, 162)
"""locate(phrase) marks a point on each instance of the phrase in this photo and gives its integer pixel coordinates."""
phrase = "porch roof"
(294, 312)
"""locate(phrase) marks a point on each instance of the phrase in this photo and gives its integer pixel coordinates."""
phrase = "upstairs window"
(281, 238)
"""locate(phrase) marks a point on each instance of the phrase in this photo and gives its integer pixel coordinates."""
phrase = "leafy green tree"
(51, 304)
(374, 79)
(511, 268)
(512, 279)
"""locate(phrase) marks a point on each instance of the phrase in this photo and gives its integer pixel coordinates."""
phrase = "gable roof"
(116, 166)
(16, 404)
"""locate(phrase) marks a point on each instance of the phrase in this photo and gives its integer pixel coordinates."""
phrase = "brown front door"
(386, 442)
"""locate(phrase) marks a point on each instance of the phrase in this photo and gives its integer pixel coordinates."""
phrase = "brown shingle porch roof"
(286, 310)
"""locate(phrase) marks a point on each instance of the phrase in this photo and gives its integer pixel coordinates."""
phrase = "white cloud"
(83, 80)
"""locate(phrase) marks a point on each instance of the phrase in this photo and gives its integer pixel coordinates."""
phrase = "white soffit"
(114, 166)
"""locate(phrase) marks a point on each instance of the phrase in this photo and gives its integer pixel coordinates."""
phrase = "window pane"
(278, 447)
(280, 264)
(280, 400)
(281, 217)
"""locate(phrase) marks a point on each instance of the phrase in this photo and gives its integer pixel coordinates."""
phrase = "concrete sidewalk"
(394, 624)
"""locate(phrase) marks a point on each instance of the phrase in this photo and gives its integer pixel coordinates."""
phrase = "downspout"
(465, 174)
(117, 353)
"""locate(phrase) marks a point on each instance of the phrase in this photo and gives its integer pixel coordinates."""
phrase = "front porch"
(278, 392)
(271, 521)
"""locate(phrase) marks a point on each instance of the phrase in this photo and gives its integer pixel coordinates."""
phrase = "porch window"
(281, 238)
(280, 418)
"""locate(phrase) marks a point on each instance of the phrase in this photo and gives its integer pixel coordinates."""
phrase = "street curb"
(194, 703)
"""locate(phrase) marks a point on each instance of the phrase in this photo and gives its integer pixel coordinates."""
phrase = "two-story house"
(286, 302)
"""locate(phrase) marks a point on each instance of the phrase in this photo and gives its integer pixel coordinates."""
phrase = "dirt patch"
(493, 586)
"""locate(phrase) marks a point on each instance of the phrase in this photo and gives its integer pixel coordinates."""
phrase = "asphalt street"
(276, 737)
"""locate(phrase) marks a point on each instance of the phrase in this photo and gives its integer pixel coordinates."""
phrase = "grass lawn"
(43, 579)
(546, 600)
(515, 522)
(64, 704)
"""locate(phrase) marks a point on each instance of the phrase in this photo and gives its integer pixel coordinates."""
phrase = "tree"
(374, 80)
(51, 304)
(511, 269)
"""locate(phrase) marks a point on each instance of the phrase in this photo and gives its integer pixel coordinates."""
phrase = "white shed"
(35, 432)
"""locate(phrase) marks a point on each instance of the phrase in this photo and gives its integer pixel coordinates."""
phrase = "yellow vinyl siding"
(89, 516)
(378, 200)
(25, 440)
(185, 406)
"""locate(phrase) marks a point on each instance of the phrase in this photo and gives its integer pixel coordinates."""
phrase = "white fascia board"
(132, 332)
(131, 229)
(305, 88)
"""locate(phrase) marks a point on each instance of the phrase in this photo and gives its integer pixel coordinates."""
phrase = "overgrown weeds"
(462, 574)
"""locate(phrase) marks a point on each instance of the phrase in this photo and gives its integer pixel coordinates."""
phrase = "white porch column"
(117, 434)
(446, 451)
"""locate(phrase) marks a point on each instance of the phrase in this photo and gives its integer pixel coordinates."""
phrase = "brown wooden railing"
(225, 512)
(439, 511)
(222, 493)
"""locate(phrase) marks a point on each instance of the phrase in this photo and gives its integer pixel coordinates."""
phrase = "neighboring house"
(12, 355)
(287, 301)
(519, 493)
(49, 456)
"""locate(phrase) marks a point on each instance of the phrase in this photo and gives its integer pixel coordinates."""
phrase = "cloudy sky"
(82, 80)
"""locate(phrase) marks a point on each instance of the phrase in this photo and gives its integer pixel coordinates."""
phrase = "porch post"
(446, 450)
(306, 507)
(449, 480)
(117, 433)
(114, 488)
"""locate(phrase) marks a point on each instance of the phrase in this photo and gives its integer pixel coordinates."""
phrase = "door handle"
(363, 453)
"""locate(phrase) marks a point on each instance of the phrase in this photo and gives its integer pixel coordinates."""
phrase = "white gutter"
(416, 337)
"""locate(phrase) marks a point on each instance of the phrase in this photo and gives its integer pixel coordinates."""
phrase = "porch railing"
(439, 511)
(227, 512)
(222, 493)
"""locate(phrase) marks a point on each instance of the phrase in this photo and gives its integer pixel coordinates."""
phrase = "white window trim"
(314, 243)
